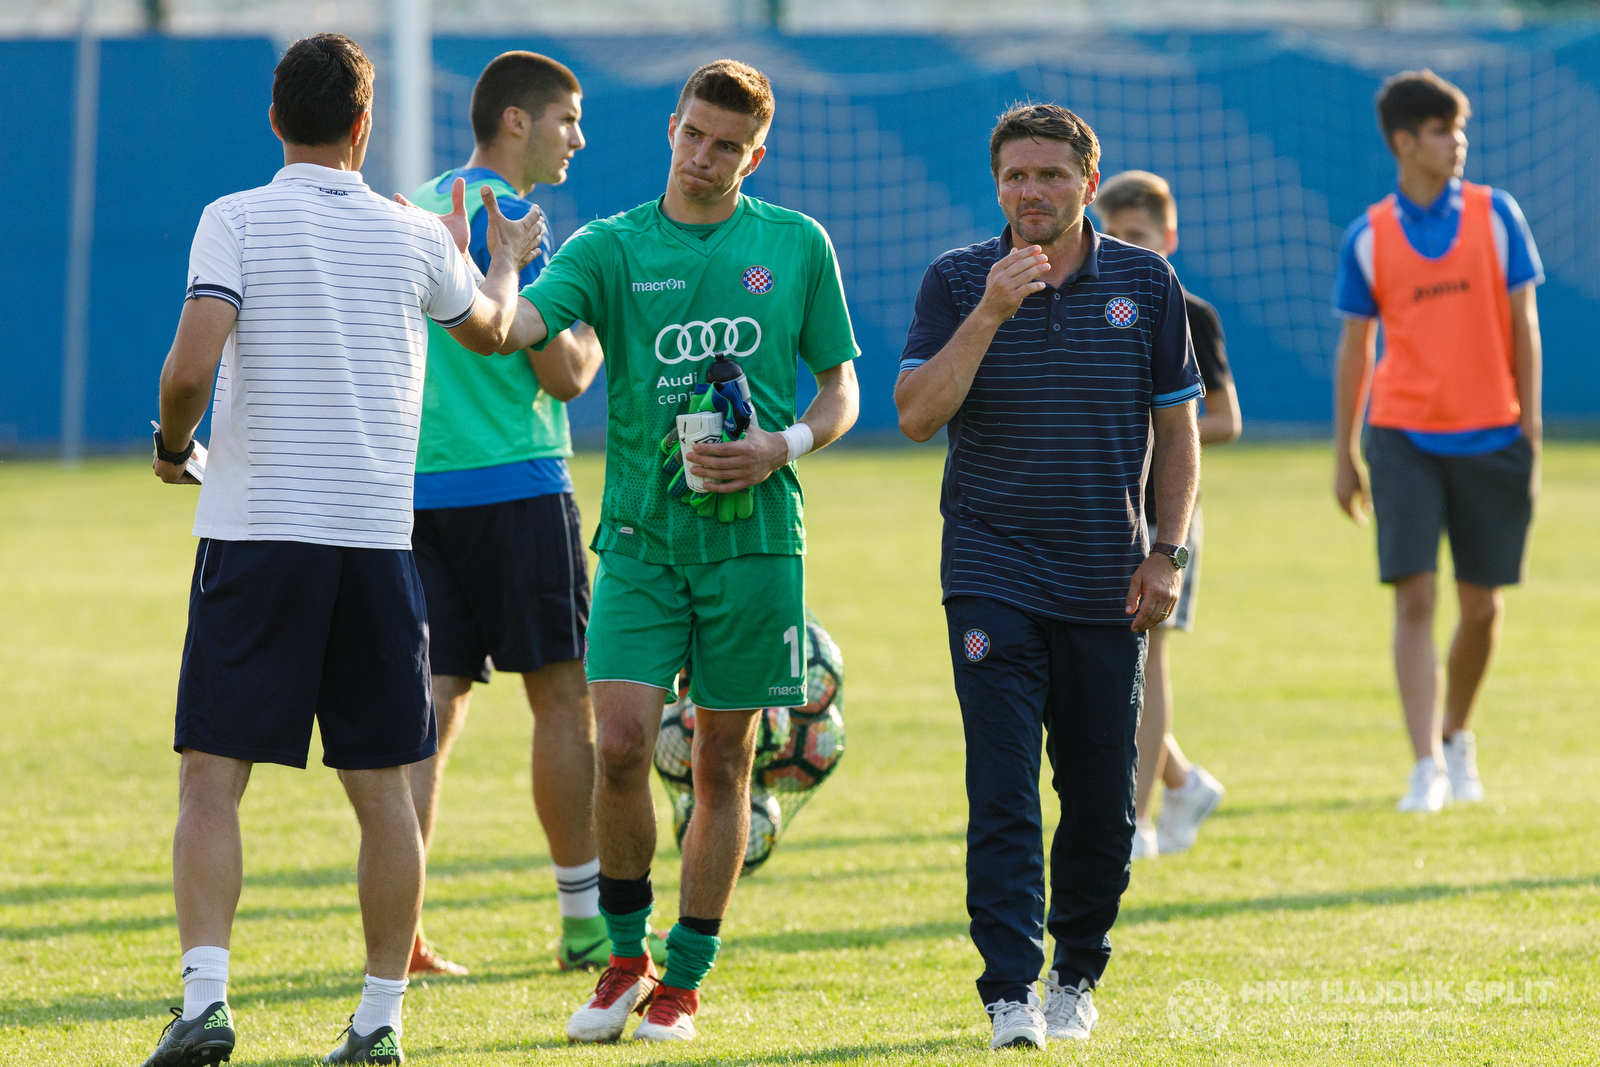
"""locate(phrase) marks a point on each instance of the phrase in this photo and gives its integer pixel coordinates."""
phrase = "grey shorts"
(1484, 504)
(1182, 617)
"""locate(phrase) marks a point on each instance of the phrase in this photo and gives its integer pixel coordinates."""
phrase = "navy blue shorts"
(284, 632)
(507, 585)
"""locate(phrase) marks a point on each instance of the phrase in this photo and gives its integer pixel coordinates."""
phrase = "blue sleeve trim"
(451, 324)
(911, 364)
(1523, 265)
(1351, 293)
(221, 292)
(1182, 396)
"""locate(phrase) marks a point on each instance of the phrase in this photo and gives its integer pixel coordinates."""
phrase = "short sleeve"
(1523, 266)
(826, 336)
(934, 319)
(1352, 293)
(1210, 350)
(564, 291)
(1174, 374)
(453, 292)
(216, 262)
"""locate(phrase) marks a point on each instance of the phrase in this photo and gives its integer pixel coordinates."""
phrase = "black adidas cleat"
(203, 1041)
(380, 1046)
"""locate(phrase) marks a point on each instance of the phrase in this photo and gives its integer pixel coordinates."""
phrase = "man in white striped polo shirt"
(313, 293)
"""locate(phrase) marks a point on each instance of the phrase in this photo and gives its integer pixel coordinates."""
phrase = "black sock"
(624, 896)
(708, 927)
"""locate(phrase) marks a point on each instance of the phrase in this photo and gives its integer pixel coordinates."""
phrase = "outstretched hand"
(517, 240)
(456, 222)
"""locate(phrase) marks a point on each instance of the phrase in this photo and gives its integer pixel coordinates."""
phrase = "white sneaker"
(619, 992)
(1461, 760)
(1144, 842)
(1069, 1011)
(1017, 1025)
(1183, 810)
(1428, 791)
(670, 1017)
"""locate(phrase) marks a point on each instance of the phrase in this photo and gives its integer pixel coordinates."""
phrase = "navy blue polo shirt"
(1043, 487)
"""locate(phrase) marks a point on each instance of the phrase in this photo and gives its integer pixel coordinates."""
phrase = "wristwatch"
(177, 459)
(1177, 553)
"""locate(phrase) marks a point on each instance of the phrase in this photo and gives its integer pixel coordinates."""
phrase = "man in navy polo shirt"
(1050, 353)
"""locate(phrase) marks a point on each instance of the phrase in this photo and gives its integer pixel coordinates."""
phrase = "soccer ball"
(675, 746)
(824, 669)
(674, 756)
(766, 824)
(772, 735)
(816, 744)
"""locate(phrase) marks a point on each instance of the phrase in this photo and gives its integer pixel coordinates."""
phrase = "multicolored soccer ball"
(796, 749)
(766, 825)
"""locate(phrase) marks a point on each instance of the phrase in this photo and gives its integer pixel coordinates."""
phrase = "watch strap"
(175, 458)
(1170, 551)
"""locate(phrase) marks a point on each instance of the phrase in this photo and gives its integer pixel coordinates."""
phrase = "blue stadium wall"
(1268, 137)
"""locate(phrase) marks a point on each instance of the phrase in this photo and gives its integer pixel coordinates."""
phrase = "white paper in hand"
(196, 466)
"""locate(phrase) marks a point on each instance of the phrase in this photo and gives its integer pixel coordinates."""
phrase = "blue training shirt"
(506, 481)
(1431, 230)
(1043, 486)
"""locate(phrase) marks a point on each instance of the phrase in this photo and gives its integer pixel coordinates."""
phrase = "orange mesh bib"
(1447, 364)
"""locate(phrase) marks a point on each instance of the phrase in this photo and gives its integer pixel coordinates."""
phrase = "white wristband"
(800, 439)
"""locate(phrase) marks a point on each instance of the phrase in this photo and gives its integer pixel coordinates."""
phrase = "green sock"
(689, 957)
(628, 931)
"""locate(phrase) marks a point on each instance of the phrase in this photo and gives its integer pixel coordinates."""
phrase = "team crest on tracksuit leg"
(977, 645)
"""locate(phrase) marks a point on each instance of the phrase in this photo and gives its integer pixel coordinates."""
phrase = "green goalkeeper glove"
(724, 507)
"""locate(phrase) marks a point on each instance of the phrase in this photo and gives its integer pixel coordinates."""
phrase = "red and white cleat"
(671, 1015)
(624, 987)
(424, 960)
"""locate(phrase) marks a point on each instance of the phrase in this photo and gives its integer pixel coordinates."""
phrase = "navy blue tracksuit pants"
(1024, 678)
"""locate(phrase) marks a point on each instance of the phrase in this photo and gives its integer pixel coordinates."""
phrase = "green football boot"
(380, 1046)
(203, 1041)
(586, 945)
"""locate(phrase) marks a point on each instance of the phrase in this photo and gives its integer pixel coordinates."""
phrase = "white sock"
(380, 1005)
(1188, 783)
(205, 979)
(579, 889)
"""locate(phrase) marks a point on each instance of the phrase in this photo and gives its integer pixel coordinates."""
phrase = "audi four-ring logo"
(705, 336)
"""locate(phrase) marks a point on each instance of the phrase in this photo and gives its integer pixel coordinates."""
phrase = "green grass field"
(850, 945)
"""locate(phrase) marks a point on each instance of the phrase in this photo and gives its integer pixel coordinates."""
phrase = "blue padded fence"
(1268, 138)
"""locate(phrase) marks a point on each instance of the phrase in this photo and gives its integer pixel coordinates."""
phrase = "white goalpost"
(411, 36)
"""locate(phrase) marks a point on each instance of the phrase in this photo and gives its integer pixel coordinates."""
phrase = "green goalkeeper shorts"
(740, 623)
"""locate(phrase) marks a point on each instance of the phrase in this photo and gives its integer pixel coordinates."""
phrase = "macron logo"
(656, 287)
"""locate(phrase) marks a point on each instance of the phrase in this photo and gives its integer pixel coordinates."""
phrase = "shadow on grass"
(319, 877)
(287, 878)
(247, 996)
(928, 1047)
(1384, 896)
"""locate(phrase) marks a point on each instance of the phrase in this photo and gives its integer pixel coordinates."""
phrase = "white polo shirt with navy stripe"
(1043, 485)
(319, 394)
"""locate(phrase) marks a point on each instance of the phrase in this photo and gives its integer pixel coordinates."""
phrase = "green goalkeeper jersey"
(762, 288)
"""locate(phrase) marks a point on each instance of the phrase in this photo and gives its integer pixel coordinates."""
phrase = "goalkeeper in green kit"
(701, 300)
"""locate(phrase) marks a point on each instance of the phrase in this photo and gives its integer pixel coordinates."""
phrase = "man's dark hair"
(517, 79)
(1412, 97)
(1045, 122)
(1140, 189)
(733, 86)
(321, 86)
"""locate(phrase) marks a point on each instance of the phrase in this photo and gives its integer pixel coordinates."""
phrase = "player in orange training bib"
(1454, 429)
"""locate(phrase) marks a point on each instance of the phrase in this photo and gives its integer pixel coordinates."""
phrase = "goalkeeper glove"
(672, 447)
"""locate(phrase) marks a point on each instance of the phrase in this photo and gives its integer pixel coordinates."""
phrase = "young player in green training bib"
(684, 293)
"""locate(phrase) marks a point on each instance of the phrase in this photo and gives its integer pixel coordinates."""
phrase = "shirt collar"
(1091, 262)
(312, 172)
(1447, 202)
